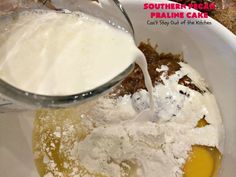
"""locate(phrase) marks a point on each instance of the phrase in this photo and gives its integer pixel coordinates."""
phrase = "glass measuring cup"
(110, 11)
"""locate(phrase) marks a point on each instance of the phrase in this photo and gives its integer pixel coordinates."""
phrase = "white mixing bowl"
(211, 49)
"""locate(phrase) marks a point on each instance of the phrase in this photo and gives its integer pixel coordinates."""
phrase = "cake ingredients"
(158, 149)
(112, 135)
(104, 138)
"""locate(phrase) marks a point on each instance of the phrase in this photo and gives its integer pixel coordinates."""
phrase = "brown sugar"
(135, 80)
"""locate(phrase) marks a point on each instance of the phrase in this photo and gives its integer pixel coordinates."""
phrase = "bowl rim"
(216, 26)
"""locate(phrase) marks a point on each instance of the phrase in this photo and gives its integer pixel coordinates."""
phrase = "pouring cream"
(58, 54)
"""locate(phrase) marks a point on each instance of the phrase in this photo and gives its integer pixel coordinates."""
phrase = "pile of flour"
(157, 148)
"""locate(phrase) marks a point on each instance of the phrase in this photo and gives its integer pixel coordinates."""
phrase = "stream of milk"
(58, 54)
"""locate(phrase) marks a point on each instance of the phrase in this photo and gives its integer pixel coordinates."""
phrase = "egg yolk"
(199, 164)
(203, 161)
(202, 123)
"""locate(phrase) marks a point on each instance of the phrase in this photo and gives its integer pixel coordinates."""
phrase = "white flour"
(115, 139)
(158, 148)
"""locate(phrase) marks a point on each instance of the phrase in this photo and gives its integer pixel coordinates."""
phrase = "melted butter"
(48, 143)
(50, 148)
